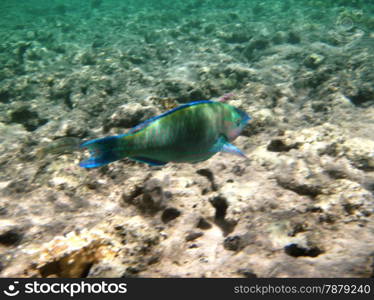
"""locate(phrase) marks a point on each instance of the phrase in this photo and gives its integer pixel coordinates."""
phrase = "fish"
(190, 133)
(59, 146)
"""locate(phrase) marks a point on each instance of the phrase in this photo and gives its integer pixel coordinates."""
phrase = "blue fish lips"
(245, 117)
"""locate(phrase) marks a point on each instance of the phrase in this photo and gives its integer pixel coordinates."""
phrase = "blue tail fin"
(103, 151)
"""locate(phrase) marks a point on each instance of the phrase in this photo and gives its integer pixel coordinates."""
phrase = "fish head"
(234, 122)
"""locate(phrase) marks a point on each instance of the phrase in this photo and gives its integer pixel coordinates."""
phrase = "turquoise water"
(52, 39)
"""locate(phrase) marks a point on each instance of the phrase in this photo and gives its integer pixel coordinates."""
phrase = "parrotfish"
(189, 133)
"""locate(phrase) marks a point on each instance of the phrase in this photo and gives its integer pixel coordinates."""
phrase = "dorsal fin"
(149, 121)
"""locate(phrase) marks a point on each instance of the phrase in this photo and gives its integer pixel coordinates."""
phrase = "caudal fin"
(102, 151)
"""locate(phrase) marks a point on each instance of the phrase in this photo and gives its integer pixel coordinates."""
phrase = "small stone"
(193, 236)
(314, 60)
(233, 243)
(170, 214)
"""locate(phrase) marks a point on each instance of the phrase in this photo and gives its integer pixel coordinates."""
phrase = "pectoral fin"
(218, 145)
(222, 145)
(230, 148)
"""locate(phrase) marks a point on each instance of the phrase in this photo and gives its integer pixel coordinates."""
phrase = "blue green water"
(57, 37)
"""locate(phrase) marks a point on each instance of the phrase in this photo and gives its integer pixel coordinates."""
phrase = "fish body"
(189, 133)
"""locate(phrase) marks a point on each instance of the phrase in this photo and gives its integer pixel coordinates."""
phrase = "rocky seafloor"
(301, 206)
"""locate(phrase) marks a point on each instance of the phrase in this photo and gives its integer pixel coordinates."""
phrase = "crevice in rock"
(220, 204)
(21, 50)
(75, 264)
(67, 101)
(209, 175)
(170, 214)
(362, 98)
(149, 198)
(131, 272)
(11, 237)
(300, 189)
(50, 269)
(86, 270)
(5, 96)
(336, 174)
(277, 145)
(193, 236)
(203, 224)
(29, 119)
(350, 208)
(128, 198)
(56, 268)
(369, 186)
(296, 251)
(17, 187)
(247, 273)
(297, 228)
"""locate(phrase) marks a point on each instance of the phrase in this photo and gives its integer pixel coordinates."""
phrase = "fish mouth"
(245, 117)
